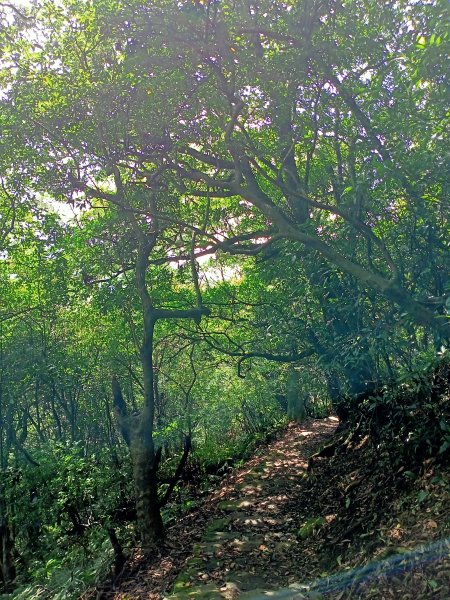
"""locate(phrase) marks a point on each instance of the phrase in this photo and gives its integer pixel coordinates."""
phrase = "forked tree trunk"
(137, 433)
(137, 430)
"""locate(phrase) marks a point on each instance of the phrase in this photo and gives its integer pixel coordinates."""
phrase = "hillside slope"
(346, 529)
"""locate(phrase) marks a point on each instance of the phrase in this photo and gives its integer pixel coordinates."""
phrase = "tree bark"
(137, 431)
(295, 400)
(7, 565)
(145, 467)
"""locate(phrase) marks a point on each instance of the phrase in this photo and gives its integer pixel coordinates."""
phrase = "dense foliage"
(237, 212)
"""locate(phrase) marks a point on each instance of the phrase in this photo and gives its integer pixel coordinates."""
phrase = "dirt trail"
(349, 529)
(247, 536)
(253, 543)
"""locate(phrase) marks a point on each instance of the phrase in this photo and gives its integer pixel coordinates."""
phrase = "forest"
(224, 235)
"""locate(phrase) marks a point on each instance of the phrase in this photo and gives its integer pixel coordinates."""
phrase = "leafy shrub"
(411, 420)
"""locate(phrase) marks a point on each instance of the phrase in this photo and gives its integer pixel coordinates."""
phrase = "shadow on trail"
(244, 536)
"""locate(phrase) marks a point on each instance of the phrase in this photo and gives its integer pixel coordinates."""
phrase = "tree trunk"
(137, 433)
(7, 566)
(295, 400)
(145, 467)
(137, 430)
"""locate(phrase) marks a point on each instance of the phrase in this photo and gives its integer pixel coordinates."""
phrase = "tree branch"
(178, 472)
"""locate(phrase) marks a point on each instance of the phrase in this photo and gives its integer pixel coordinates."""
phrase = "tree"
(200, 128)
(295, 398)
(294, 126)
(137, 429)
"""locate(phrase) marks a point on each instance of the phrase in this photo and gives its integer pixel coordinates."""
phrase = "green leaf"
(444, 447)
(422, 496)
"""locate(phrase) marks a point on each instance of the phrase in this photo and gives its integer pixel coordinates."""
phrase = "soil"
(350, 527)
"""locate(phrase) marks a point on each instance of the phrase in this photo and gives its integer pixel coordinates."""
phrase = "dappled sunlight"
(395, 533)
(250, 490)
(254, 513)
(220, 222)
(165, 567)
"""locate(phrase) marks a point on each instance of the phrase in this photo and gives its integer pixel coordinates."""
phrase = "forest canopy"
(213, 214)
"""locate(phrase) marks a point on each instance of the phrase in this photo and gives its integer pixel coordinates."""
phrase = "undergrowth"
(408, 422)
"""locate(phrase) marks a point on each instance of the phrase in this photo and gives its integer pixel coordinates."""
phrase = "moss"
(218, 537)
(219, 525)
(310, 527)
(205, 592)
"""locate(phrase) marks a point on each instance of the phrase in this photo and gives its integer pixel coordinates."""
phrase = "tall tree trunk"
(145, 466)
(137, 431)
(295, 400)
(145, 460)
(7, 565)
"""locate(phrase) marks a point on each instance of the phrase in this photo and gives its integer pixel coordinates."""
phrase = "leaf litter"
(350, 528)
